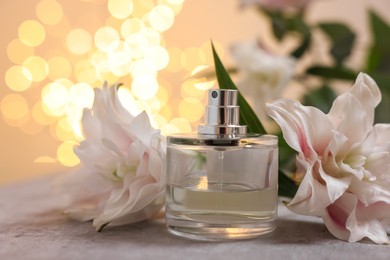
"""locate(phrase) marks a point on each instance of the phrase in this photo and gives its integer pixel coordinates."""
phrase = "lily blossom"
(345, 160)
(264, 75)
(120, 177)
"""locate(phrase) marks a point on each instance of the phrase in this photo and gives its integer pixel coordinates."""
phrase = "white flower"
(264, 75)
(345, 159)
(120, 180)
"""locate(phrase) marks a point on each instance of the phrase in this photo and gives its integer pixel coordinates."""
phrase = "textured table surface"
(32, 227)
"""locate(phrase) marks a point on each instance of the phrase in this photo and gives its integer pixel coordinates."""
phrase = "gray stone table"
(32, 227)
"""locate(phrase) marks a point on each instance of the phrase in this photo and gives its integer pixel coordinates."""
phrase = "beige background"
(198, 21)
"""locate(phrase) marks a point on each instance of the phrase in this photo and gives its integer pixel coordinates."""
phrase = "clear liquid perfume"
(221, 182)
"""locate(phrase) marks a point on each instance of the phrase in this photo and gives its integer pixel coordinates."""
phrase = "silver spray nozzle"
(222, 114)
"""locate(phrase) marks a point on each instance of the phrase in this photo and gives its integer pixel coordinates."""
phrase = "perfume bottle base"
(204, 231)
(211, 233)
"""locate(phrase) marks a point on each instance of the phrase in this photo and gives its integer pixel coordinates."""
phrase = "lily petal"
(306, 129)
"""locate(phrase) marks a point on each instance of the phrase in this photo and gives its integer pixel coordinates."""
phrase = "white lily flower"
(263, 75)
(345, 159)
(120, 180)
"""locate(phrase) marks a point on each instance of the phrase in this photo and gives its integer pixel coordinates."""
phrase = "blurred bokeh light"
(124, 43)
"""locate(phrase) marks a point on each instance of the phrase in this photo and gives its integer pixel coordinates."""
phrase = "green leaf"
(321, 98)
(379, 54)
(286, 153)
(342, 37)
(298, 25)
(283, 24)
(287, 188)
(280, 25)
(383, 81)
(247, 116)
(332, 72)
(382, 111)
(381, 31)
(300, 50)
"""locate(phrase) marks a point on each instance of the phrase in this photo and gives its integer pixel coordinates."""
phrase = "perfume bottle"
(221, 182)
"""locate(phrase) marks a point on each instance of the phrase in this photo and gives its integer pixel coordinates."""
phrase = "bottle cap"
(222, 114)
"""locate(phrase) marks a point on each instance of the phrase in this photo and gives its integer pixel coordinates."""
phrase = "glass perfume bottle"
(221, 182)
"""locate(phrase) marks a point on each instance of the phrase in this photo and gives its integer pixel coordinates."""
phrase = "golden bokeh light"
(120, 9)
(192, 57)
(17, 51)
(40, 116)
(161, 17)
(38, 68)
(174, 64)
(158, 121)
(176, 6)
(18, 78)
(59, 67)
(182, 124)
(131, 25)
(84, 71)
(79, 41)
(66, 155)
(141, 8)
(141, 67)
(191, 109)
(144, 87)
(14, 106)
(107, 39)
(55, 98)
(154, 104)
(60, 29)
(64, 130)
(31, 33)
(166, 112)
(189, 89)
(158, 56)
(152, 36)
(202, 83)
(49, 12)
(162, 95)
(120, 61)
(45, 159)
(175, 2)
(126, 46)
(81, 95)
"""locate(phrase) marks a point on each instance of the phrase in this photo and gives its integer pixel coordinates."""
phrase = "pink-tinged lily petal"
(141, 128)
(312, 195)
(339, 185)
(367, 91)
(370, 192)
(306, 129)
(370, 228)
(92, 128)
(353, 112)
(336, 215)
